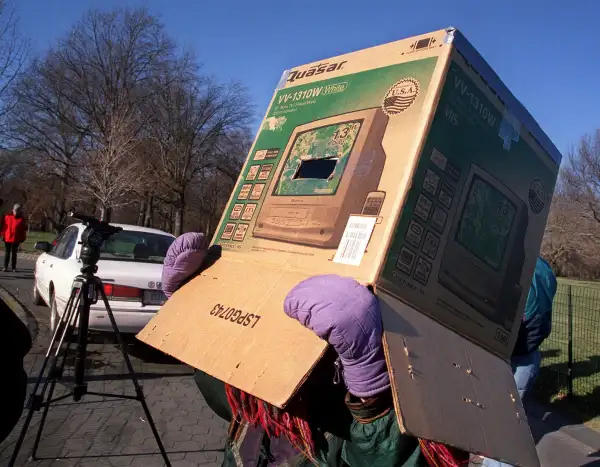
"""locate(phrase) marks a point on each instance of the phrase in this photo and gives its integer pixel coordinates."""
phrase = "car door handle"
(51, 265)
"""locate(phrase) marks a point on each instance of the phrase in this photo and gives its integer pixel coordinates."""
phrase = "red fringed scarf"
(296, 429)
(440, 455)
(275, 422)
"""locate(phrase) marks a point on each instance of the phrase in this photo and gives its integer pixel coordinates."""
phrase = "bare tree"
(107, 62)
(571, 241)
(213, 185)
(24, 180)
(113, 118)
(582, 174)
(8, 165)
(113, 173)
(194, 119)
(14, 50)
(46, 123)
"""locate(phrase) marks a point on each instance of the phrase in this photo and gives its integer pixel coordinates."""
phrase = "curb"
(18, 309)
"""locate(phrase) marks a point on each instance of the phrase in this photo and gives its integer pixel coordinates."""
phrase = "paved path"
(114, 433)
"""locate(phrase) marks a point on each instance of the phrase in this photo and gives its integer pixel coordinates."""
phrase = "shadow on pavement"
(22, 274)
(569, 414)
(121, 376)
(108, 456)
(134, 348)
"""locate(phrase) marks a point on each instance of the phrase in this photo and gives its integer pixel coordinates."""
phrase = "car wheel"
(37, 298)
(54, 318)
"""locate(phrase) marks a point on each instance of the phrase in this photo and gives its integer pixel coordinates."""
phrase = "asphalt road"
(101, 433)
(109, 432)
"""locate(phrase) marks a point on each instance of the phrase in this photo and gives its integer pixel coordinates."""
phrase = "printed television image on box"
(484, 255)
(331, 169)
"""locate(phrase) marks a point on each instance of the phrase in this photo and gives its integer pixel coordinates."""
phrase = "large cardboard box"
(408, 166)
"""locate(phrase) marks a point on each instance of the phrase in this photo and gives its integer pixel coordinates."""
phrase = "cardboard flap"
(229, 322)
(450, 390)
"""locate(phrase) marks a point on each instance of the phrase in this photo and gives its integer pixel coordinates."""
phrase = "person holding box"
(535, 328)
(343, 415)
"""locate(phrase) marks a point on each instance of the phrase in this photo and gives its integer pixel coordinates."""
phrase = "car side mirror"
(43, 246)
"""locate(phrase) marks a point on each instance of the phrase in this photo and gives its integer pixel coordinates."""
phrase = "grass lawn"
(552, 383)
(28, 245)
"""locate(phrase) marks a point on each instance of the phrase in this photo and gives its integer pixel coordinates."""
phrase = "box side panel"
(470, 232)
(515, 112)
(450, 390)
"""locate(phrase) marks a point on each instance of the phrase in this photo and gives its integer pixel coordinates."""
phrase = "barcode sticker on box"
(355, 240)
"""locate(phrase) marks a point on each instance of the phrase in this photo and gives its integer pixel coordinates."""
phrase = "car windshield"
(138, 247)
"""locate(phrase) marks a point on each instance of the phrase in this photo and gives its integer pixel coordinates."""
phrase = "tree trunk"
(142, 212)
(148, 217)
(105, 213)
(178, 221)
(58, 216)
(178, 214)
(167, 218)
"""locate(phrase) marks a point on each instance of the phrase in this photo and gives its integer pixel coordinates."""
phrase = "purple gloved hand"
(184, 258)
(348, 316)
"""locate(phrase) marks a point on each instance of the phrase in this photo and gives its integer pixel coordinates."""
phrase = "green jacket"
(346, 432)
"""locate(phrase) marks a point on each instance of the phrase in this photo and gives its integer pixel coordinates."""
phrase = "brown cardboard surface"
(271, 242)
(465, 291)
(364, 166)
(259, 359)
(450, 390)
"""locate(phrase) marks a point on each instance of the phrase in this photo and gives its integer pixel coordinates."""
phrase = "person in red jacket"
(13, 232)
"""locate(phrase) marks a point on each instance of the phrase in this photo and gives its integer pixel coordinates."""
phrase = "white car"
(130, 267)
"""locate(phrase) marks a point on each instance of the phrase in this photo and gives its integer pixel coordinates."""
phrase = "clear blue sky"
(547, 52)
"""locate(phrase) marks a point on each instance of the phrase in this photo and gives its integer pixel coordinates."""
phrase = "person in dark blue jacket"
(536, 326)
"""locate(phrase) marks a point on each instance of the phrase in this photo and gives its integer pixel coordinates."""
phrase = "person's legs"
(15, 249)
(525, 370)
(7, 250)
(492, 463)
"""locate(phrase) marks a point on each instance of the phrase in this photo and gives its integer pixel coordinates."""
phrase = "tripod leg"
(136, 384)
(55, 374)
(83, 310)
(35, 400)
(65, 319)
(70, 321)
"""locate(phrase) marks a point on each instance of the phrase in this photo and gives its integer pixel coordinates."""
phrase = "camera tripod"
(85, 291)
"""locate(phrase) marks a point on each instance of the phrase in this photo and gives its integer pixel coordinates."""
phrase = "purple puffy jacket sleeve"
(184, 258)
(348, 316)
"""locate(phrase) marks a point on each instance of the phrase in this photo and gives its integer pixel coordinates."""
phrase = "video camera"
(95, 234)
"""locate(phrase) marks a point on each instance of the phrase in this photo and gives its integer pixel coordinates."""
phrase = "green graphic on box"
(468, 215)
(317, 160)
(317, 150)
